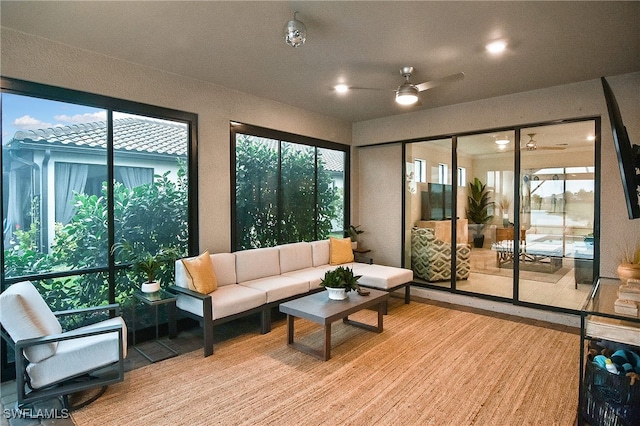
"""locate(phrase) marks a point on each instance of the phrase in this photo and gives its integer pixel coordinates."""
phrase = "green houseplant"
(353, 232)
(339, 282)
(479, 199)
(148, 264)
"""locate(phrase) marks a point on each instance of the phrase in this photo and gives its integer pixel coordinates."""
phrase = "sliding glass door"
(520, 204)
(557, 182)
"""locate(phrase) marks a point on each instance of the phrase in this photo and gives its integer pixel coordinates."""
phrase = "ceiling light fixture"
(407, 94)
(502, 142)
(496, 47)
(295, 33)
(341, 88)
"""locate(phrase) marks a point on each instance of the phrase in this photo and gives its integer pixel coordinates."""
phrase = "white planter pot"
(150, 287)
(337, 293)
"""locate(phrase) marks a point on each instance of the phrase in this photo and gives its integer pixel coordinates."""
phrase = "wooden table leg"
(290, 319)
(381, 311)
(327, 341)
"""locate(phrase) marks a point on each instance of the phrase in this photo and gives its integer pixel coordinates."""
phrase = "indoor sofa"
(257, 280)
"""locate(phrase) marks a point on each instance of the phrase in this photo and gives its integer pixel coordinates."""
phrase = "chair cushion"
(25, 315)
(340, 251)
(200, 269)
(77, 356)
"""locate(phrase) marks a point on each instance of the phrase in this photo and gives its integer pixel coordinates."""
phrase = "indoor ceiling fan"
(532, 145)
(407, 92)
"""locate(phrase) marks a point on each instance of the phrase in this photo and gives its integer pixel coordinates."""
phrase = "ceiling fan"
(532, 145)
(407, 92)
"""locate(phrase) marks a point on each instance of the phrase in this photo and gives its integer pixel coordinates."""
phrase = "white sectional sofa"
(254, 281)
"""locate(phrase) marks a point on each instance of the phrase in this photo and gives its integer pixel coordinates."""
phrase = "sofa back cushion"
(295, 256)
(320, 252)
(25, 315)
(257, 263)
(224, 266)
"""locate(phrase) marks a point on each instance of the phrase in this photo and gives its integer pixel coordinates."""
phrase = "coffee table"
(320, 309)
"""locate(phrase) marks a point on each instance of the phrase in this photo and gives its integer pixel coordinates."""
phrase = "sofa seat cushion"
(278, 287)
(382, 277)
(312, 275)
(225, 301)
(75, 356)
(295, 256)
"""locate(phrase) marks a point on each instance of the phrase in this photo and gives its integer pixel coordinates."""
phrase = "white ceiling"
(239, 45)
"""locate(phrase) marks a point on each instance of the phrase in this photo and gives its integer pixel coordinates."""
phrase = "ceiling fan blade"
(439, 81)
(370, 88)
(541, 148)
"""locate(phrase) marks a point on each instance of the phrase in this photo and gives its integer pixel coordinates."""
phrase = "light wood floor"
(535, 289)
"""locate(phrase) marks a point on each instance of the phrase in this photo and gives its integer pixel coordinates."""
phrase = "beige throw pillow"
(340, 251)
(202, 274)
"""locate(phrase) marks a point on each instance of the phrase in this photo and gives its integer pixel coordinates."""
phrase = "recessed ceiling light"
(341, 88)
(496, 47)
(591, 138)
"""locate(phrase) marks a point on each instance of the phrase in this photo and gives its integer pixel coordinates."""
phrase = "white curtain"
(69, 179)
(18, 201)
(133, 177)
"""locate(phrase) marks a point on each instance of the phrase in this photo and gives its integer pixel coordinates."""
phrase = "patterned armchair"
(431, 257)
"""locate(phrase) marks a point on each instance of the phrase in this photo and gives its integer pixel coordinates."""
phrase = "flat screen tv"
(436, 202)
(628, 154)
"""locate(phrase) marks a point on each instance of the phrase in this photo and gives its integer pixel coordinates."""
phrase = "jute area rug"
(432, 365)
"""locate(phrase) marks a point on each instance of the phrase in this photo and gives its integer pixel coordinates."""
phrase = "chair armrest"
(186, 291)
(113, 306)
(68, 335)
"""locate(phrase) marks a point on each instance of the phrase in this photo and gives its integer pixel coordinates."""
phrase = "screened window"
(79, 177)
(286, 188)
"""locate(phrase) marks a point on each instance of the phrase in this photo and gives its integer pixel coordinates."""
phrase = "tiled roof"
(129, 134)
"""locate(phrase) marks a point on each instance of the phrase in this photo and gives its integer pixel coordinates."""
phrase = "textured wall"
(39, 60)
(568, 101)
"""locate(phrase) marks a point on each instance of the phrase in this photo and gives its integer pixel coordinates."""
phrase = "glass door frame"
(517, 129)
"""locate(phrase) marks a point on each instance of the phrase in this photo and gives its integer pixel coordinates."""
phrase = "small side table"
(156, 299)
(359, 255)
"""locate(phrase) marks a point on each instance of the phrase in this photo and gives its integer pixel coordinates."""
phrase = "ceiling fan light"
(295, 33)
(407, 94)
(496, 47)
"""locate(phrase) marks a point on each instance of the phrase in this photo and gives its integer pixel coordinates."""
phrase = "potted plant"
(353, 232)
(478, 209)
(629, 264)
(148, 264)
(339, 282)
